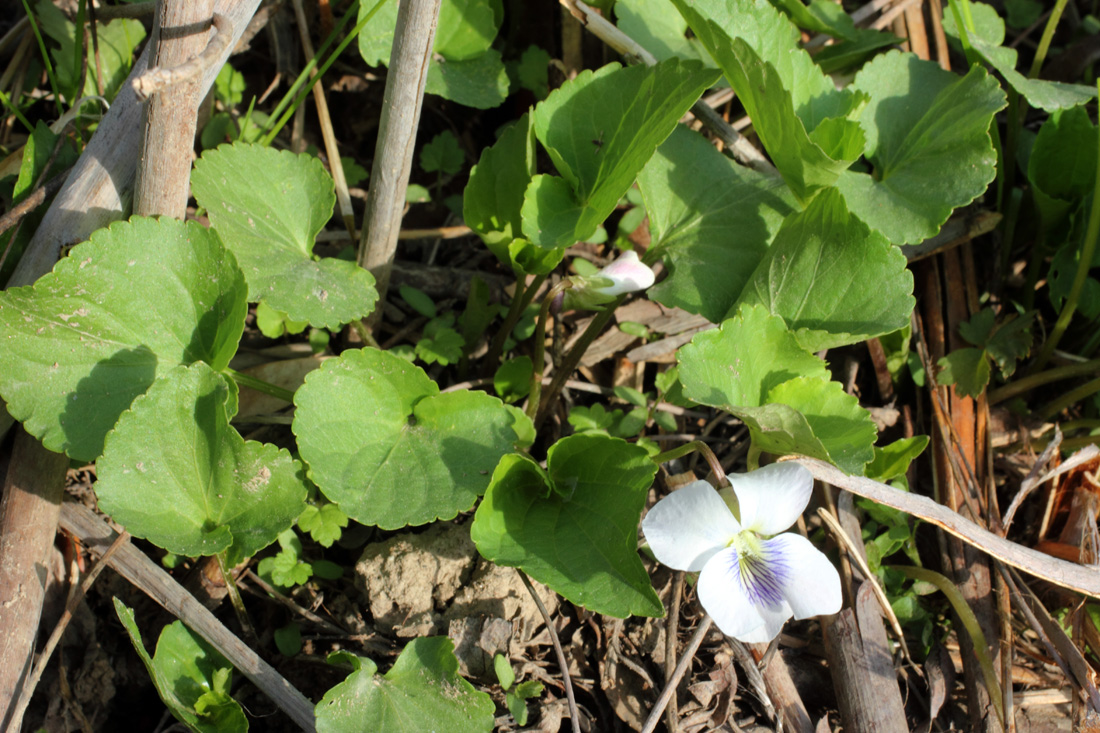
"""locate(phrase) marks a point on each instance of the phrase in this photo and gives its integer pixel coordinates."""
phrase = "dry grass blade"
(880, 595)
(334, 163)
(1069, 575)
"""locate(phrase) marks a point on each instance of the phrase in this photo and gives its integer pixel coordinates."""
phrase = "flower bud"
(627, 274)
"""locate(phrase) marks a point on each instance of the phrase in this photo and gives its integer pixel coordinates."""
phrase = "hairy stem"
(524, 295)
(540, 346)
(569, 363)
(574, 715)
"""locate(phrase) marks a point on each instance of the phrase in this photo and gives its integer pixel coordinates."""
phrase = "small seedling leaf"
(422, 692)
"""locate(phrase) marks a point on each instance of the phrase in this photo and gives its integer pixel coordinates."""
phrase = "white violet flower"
(751, 577)
(626, 274)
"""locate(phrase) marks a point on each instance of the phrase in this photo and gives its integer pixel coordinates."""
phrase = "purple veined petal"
(749, 608)
(773, 497)
(812, 584)
(688, 526)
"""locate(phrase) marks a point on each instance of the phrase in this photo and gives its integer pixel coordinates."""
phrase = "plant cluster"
(122, 354)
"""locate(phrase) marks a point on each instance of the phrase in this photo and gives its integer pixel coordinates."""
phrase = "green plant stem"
(1047, 37)
(6, 101)
(1006, 178)
(360, 328)
(540, 346)
(304, 75)
(1030, 382)
(50, 74)
(235, 595)
(78, 46)
(260, 385)
(693, 447)
(1074, 395)
(964, 22)
(969, 622)
(524, 296)
(1084, 263)
(569, 363)
(300, 86)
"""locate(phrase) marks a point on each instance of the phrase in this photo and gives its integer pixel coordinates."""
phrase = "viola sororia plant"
(122, 354)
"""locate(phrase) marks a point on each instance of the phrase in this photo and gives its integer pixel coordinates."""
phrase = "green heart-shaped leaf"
(600, 129)
(423, 691)
(737, 364)
(753, 367)
(785, 93)
(136, 300)
(493, 199)
(268, 206)
(383, 443)
(986, 40)
(481, 81)
(574, 526)
(712, 219)
(928, 140)
(845, 429)
(176, 473)
(816, 273)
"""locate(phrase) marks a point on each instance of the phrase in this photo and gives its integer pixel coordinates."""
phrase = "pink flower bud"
(627, 274)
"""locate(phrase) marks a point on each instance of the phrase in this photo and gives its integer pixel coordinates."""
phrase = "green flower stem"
(1030, 382)
(692, 447)
(969, 622)
(235, 595)
(260, 385)
(1074, 395)
(1047, 37)
(364, 333)
(1082, 274)
(964, 22)
(523, 297)
(6, 101)
(45, 59)
(540, 346)
(1008, 197)
(299, 87)
(569, 363)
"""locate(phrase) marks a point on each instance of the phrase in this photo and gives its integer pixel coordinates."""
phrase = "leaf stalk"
(540, 345)
(1084, 263)
(245, 380)
(693, 447)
